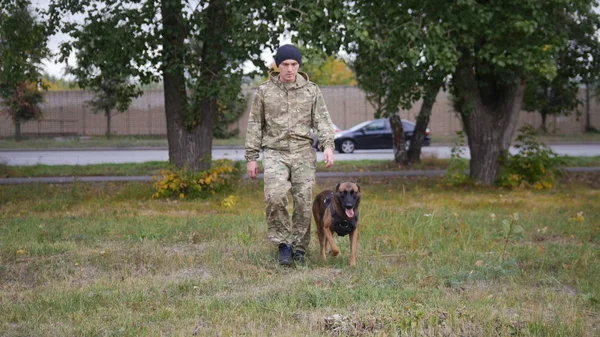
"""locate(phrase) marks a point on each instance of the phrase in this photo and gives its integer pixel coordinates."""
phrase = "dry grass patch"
(109, 260)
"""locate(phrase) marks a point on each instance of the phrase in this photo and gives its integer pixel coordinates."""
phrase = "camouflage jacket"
(283, 114)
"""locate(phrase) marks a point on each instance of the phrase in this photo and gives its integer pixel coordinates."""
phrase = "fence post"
(345, 126)
(149, 120)
(83, 119)
(61, 121)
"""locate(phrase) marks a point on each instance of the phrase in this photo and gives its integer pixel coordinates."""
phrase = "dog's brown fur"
(343, 196)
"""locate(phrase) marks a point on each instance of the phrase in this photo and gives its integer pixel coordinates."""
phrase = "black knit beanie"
(288, 52)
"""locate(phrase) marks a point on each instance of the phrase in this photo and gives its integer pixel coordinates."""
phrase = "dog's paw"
(335, 252)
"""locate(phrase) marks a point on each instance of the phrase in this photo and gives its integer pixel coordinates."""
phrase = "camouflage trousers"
(285, 172)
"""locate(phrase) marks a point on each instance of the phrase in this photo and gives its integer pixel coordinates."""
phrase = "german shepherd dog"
(337, 212)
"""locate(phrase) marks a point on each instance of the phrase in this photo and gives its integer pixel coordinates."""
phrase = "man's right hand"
(252, 169)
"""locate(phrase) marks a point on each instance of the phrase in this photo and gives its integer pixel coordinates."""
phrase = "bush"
(457, 165)
(535, 165)
(187, 184)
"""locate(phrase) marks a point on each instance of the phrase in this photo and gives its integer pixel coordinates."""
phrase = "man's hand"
(328, 156)
(252, 169)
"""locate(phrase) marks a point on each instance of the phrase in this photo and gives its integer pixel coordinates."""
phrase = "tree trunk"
(416, 142)
(108, 122)
(588, 122)
(190, 138)
(400, 155)
(489, 111)
(544, 125)
(18, 137)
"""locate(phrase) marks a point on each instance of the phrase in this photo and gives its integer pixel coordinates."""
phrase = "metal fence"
(66, 113)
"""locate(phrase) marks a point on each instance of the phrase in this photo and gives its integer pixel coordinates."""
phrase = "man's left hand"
(328, 156)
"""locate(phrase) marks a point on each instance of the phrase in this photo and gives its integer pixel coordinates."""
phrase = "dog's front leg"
(353, 247)
(334, 248)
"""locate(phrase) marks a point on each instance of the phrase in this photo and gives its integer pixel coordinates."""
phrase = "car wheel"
(347, 146)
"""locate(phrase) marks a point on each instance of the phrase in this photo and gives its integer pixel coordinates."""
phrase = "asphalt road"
(98, 156)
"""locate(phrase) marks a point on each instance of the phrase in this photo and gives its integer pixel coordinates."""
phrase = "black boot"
(285, 254)
(299, 257)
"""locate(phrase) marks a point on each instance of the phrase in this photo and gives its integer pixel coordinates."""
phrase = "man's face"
(288, 70)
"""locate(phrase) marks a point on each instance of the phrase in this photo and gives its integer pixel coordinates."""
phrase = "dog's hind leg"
(323, 244)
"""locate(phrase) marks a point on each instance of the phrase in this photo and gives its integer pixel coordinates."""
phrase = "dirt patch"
(188, 274)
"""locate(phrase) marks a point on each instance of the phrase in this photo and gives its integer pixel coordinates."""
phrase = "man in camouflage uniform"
(284, 110)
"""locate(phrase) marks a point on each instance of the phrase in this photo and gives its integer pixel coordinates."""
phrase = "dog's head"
(347, 196)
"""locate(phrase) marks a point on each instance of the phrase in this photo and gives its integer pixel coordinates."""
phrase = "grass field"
(107, 260)
(154, 167)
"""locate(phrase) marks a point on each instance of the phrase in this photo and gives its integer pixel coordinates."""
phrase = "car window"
(408, 127)
(359, 126)
(375, 126)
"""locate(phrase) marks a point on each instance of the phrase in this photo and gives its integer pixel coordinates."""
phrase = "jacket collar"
(301, 81)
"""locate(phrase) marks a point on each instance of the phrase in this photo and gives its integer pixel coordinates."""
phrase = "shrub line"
(404, 173)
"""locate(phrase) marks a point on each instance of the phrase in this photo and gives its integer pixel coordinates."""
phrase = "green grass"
(106, 259)
(154, 167)
(76, 142)
(125, 169)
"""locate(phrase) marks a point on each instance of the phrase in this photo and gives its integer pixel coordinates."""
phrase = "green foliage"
(326, 70)
(22, 50)
(198, 49)
(389, 61)
(23, 104)
(230, 107)
(189, 184)
(59, 84)
(457, 165)
(534, 165)
(578, 62)
(113, 93)
(488, 49)
(124, 40)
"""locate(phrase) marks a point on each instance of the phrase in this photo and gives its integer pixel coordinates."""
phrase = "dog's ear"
(337, 187)
(358, 186)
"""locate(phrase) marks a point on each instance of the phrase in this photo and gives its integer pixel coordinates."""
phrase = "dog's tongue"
(350, 212)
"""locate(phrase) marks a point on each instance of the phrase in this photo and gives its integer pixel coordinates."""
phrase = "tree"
(111, 94)
(489, 50)
(501, 46)
(197, 49)
(393, 56)
(554, 97)
(101, 64)
(399, 60)
(22, 50)
(578, 63)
